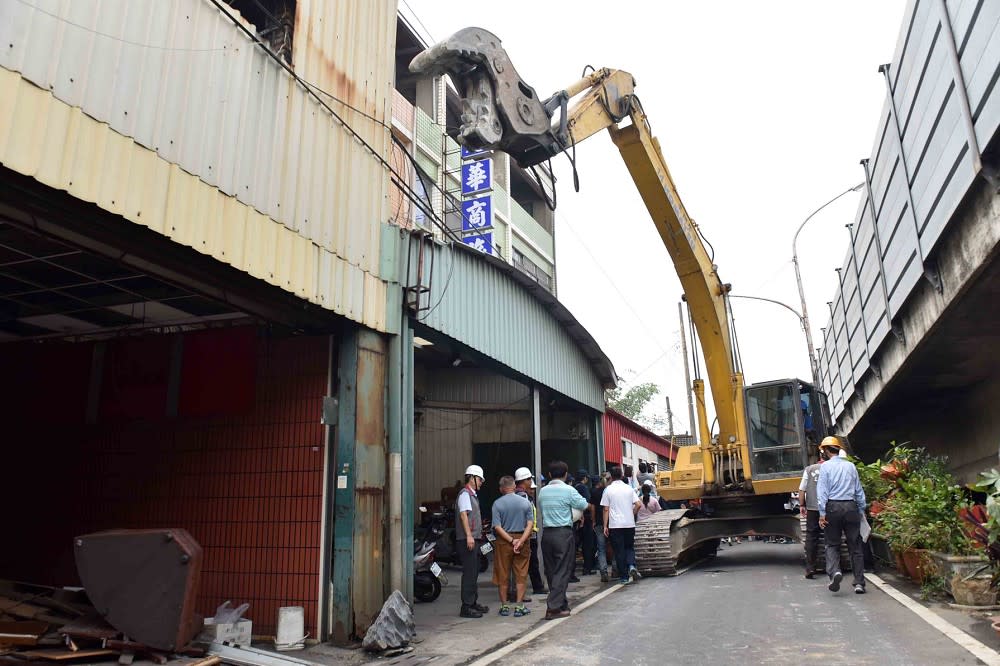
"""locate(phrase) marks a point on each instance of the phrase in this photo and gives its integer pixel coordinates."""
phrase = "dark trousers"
(537, 585)
(558, 553)
(470, 572)
(813, 539)
(623, 543)
(586, 542)
(843, 518)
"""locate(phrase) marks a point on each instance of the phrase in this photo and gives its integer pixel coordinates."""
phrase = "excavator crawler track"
(653, 553)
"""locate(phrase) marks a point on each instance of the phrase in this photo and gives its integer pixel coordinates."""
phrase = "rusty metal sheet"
(64, 148)
(153, 96)
(370, 583)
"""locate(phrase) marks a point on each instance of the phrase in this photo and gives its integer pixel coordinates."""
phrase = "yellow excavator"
(737, 480)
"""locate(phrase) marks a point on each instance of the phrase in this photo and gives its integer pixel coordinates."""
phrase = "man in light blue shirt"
(556, 502)
(841, 502)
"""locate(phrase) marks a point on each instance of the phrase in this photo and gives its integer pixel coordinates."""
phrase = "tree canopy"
(631, 402)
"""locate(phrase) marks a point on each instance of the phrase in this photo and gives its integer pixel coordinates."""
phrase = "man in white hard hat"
(469, 539)
(526, 488)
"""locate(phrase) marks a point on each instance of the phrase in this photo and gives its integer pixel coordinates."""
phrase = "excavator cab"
(786, 419)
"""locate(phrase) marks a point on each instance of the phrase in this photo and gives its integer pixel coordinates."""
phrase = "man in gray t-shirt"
(512, 524)
(810, 509)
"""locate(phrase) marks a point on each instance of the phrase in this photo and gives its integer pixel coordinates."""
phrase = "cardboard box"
(238, 633)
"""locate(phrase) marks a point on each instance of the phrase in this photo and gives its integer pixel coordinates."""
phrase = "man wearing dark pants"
(556, 501)
(585, 530)
(469, 539)
(620, 506)
(526, 488)
(810, 511)
(841, 502)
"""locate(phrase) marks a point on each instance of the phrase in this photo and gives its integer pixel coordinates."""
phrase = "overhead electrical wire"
(400, 179)
(119, 39)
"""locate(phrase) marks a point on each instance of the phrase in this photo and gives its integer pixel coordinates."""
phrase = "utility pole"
(670, 418)
(687, 374)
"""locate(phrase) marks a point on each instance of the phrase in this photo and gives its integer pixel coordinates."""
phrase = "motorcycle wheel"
(426, 587)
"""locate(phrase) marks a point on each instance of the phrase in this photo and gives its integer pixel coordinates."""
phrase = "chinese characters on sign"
(477, 213)
(482, 242)
(477, 176)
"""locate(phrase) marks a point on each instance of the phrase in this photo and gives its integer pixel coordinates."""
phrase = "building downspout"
(395, 437)
(406, 443)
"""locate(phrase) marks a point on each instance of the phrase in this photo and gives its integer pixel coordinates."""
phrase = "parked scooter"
(439, 527)
(427, 574)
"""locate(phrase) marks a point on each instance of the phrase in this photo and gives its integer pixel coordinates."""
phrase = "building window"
(273, 20)
(532, 270)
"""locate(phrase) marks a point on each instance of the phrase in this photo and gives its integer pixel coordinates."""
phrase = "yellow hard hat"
(832, 442)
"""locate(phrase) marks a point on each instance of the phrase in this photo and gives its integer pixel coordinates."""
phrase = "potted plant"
(915, 506)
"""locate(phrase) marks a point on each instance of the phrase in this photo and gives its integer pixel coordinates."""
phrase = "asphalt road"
(749, 605)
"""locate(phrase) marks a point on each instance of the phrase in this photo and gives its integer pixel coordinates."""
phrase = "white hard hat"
(475, 470)
(522, 473)
(649, 483)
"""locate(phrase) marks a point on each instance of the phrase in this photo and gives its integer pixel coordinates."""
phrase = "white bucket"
(291, 629)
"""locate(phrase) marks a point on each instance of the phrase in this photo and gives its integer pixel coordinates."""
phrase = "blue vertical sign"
(477, 213)
(469, 153)
(477, 210)
(482, 242)
(477, 176)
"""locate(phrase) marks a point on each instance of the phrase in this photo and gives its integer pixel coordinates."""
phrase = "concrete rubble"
(393, 628)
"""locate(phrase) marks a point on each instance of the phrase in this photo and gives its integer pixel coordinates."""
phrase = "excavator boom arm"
(500, 111)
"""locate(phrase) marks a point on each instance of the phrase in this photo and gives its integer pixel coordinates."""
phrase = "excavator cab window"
(777, 415)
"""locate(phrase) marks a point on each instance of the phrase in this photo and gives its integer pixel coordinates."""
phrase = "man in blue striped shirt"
(556, 503)
(841, 502)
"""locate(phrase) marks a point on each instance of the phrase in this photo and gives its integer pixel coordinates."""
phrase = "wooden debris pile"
(48, 624)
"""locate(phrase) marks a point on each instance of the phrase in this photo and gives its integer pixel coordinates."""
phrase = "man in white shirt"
(620, 506)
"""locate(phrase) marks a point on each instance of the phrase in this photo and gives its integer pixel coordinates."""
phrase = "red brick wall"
(244, 476)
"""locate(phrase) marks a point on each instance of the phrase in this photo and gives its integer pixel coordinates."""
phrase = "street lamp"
(802, 322)
(802, 295)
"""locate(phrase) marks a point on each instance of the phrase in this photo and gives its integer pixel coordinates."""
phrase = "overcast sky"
(763, 111)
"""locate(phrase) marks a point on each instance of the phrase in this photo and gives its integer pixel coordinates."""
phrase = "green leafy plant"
(985, 526)
(933, 587)
(917, 501)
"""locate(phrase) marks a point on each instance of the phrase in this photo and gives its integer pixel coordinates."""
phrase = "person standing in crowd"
(512, 524)
(469, 539)
(629, 477)
(620, 506)
(649, 500)
(809, 508)
(556, 501)
(585, 529)
(598, 484)
(526, 488)
(841, 504)
(645, 474)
